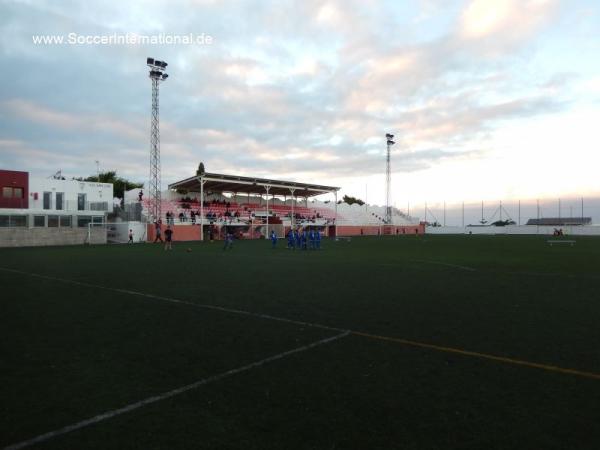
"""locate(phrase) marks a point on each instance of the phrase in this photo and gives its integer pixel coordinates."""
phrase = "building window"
(66, 221)
(18, 192)
(83, 221)
(4, 220)
(81, 202)
(99, 206)
(52, 221)
(47, 200)
(39, 221)
(60, 197)
(7, 192)
(18, 221)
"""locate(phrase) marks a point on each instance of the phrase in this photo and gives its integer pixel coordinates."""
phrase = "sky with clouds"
(488, 99)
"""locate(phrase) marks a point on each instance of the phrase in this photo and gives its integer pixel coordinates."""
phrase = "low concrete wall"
(180, 232)
(592, 230)
(37, 237)
(370, 230)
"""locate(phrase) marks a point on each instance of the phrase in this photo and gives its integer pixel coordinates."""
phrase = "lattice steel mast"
(388, 180)
(157, 74)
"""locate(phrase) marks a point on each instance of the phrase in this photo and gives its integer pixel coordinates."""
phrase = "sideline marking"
(502, 359)
(172, 393)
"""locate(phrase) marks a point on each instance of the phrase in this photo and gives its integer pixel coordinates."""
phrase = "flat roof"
(217, 182)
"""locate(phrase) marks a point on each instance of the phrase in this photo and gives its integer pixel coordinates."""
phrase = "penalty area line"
(439, 348)
(172, 393)
(440, 263)
(175, 300)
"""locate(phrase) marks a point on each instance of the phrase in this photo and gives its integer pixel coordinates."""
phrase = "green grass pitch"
(89, 330)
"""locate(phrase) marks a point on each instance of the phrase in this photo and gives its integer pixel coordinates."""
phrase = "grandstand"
(561, 221)
(253, 206)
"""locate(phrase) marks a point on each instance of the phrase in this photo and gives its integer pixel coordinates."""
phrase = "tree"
(351, 200)
(503, 223)
(120, 185)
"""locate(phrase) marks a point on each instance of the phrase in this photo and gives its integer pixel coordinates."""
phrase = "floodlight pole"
(388, 179)
(156, 75)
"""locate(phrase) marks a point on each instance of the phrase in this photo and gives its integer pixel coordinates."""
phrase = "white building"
(48, 202)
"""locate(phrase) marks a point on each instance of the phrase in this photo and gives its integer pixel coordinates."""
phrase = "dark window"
(60, 196)
(39, 221)
(4, 220)
(53, 221)
(18, 221)
(47, 200)
(65, 221)
(7, 192)
(80, 202)
(83, 221)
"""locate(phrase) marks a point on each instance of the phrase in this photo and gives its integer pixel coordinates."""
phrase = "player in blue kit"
(311, 239)
(273, 239)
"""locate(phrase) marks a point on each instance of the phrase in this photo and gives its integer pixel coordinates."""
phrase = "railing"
(67, 206)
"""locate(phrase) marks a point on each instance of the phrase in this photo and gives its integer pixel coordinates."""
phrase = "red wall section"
(180, 232)
(12, 178)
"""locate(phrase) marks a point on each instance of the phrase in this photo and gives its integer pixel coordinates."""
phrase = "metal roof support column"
(267, 188)
(336, 216)
(202, 208)
(293, 217)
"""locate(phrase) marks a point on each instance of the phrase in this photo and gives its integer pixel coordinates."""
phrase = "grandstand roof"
(560, 221)
(217, 182)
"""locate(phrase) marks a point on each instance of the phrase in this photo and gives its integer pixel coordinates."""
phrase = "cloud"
(288, 89)
(39, 114)
(498, 25)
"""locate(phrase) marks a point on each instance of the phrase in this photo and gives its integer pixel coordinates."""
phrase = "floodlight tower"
(157, 74)
(388, 180)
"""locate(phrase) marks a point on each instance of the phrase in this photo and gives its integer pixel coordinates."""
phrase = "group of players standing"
(301, 239)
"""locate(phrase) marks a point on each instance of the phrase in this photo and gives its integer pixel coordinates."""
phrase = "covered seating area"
(251, 200)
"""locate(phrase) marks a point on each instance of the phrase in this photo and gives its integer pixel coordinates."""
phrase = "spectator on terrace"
(140, 196)
(168, 238)
(181, 216)
(158, 232)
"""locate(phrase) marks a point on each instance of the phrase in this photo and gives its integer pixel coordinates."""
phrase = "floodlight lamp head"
(150, 61)
(390, 142)
(389, 136)
(165, 76)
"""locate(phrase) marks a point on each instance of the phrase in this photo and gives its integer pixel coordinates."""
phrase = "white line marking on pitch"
(174, 300)
(156, 398)
(439, 263)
